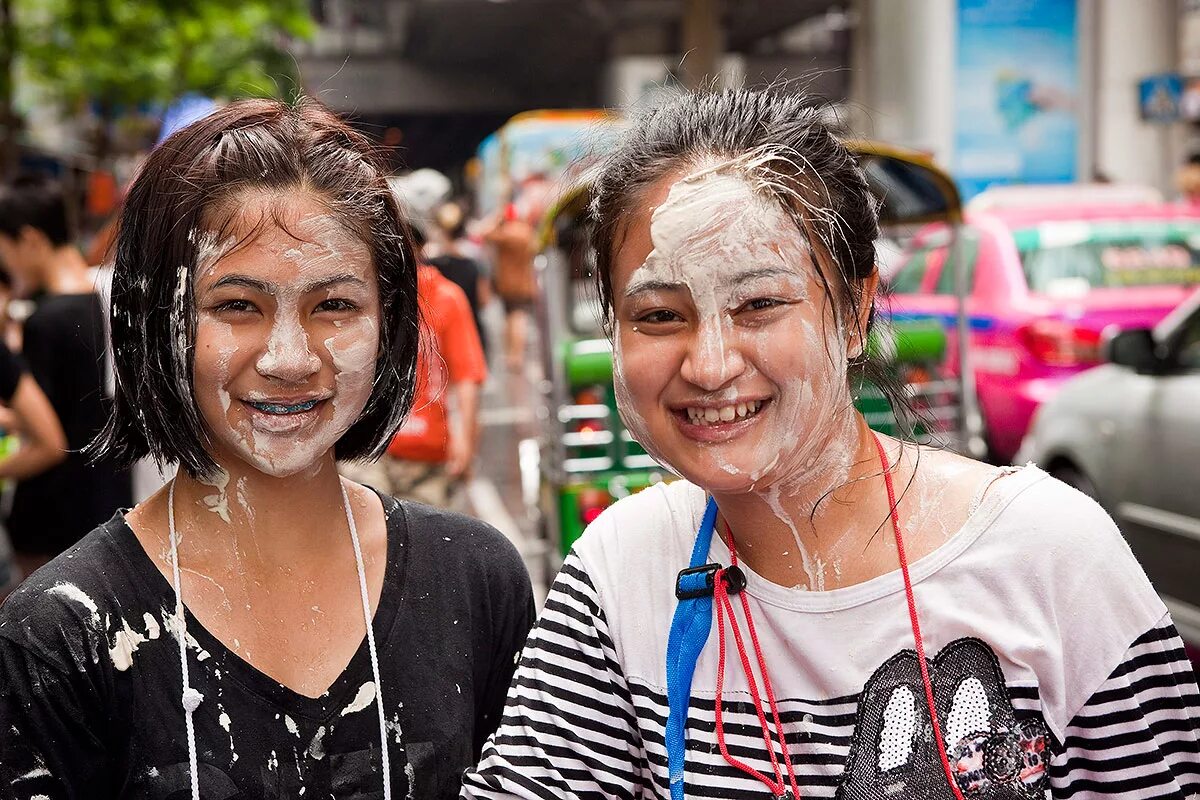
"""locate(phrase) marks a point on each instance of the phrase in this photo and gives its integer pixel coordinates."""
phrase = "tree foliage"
(114, 54)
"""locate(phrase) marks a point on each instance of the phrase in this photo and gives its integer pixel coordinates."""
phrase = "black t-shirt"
(11, 370)
(455, 609)
(64, 347)
(464, 273)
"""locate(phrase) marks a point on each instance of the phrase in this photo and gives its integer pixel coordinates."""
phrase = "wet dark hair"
(786, 148)
(191, 188)
(35, 201)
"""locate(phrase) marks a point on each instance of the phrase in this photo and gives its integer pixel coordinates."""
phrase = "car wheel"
(1071, 475)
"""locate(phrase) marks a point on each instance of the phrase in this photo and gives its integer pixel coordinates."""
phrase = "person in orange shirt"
(513, 238)
(432, 452)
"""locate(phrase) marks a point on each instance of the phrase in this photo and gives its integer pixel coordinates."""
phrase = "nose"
(713, 359)
(288, 356)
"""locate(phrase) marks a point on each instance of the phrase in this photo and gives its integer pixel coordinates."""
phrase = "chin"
(723, 476)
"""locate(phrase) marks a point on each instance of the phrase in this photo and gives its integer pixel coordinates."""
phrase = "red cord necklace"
(725, 608)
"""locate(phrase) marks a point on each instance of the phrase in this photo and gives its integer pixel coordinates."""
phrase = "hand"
(9, 421)
(458, 458)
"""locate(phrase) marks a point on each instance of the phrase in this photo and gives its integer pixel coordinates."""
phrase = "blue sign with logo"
(1160, 97)
(1016, 93)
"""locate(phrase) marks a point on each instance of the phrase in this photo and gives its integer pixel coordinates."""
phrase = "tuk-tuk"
(534, 152)
(587, 457)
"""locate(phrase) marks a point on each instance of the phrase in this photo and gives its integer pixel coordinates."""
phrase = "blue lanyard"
(689, 632)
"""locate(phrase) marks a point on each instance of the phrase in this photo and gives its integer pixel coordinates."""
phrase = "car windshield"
(1075, 257)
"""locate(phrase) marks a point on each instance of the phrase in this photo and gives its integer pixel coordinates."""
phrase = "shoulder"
(455, 542)
(1059, 564)
(647, 532)
(61, 316)
(441, 295)
(1059, 522)
(68, 604)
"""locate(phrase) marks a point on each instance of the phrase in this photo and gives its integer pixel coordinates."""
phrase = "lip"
(283, 423)
(719, 431)
(284, 400)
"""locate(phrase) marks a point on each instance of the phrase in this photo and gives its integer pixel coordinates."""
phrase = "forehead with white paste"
(713, 228)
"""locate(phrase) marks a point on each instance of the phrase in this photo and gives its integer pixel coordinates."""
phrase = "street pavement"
(494, 493)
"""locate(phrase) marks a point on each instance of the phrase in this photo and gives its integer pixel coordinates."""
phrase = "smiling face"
(731, 367)
(287, 333)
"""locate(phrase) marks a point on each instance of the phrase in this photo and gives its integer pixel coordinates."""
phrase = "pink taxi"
(1044, 280)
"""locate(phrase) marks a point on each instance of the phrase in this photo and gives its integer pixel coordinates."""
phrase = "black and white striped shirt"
(1046, 642)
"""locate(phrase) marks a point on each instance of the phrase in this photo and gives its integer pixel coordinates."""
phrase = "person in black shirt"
(43, 443)
(260, 627)
(63, 343)
(445, 252)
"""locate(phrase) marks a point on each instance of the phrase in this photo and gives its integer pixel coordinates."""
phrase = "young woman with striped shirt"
(815, 610)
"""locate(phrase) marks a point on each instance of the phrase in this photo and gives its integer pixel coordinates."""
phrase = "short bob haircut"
(192, 184)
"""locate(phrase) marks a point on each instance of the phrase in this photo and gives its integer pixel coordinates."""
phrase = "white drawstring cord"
(366, 605)
(192, 698)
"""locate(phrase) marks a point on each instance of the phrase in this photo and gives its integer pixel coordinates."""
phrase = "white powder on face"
(290, 364)
(208, 252)
(724, 244)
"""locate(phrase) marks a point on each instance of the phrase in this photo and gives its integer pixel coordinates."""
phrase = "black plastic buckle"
(699, 581)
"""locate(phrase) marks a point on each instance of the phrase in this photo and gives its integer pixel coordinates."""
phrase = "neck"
(260, 519)
(65, 271)
(801, 530)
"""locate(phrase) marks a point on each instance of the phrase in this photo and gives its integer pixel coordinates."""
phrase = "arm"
(569, 729)
(466, 370)
(483, 290)
(45, 444)
(464, 427)
(1137, 735)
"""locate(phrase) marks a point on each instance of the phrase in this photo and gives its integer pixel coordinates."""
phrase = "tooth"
(727, 414)
(711, 414)
(741, 409)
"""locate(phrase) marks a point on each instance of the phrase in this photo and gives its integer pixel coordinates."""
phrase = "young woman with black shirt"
(261, 628)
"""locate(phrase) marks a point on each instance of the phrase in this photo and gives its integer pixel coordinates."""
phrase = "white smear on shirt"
(291, 726)
(74, 593)
(366, 694)
(127, 641)
(171, 622)
(317, 748)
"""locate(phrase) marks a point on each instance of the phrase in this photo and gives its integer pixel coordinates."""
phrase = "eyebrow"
(764, 272)
(270, 288)
(653, 285)
(657, 285)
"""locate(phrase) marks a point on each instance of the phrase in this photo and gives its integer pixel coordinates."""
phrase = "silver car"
(1128, 434)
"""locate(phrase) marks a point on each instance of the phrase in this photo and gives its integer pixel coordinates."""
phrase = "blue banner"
(1016, 93)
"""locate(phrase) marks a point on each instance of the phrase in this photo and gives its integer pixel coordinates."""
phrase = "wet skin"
(286, 335)
(718, 304)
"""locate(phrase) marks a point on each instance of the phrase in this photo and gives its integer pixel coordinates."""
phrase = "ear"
(862, 315)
